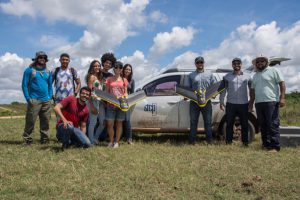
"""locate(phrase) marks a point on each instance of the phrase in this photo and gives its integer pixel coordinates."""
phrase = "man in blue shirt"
(37, 89)
(237, 87)
(268, 91)
(200, 79)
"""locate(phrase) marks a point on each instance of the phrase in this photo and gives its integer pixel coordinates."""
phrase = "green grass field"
(156, 167)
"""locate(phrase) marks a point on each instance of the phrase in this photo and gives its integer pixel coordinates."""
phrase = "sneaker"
(273, 151)
(116, 145)
(28, 142)
(96, 142)
(44, 141)
(129, 141)
(245, 144)
(64, 146)
(110, 145)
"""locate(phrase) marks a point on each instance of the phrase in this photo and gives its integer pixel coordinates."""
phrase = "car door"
(158, 112)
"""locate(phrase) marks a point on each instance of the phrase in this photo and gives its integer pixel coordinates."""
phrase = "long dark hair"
(91, 72)
(123, 71)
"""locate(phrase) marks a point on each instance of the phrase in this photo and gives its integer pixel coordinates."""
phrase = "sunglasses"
(42, 57)
(236, 63)
(118, 67)
(199, 62)
(260, 61)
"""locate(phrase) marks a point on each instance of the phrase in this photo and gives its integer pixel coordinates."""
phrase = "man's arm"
(57, 110)
(282, 94)
(223, 94)
(50, 89)
(252, 98)
(78, 86)
(25, 83)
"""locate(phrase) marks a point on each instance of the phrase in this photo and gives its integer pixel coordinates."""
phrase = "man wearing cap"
(237, 86)
(200, 79)
(37, 89)
(268, 91)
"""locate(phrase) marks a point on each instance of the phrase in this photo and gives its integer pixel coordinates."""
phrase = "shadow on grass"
(174, 139)
(11, 142)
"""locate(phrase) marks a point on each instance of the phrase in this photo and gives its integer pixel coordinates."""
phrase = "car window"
(163, 86)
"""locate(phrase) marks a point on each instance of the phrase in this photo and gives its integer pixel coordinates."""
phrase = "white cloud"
(185, 60)
(52, 41)
(142, 68)
(19, 8)
(166, 42)
(158, 16)
(250, 40)
(11, 71)
(108, 22)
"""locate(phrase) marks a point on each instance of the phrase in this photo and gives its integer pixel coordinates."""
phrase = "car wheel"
(237, 131)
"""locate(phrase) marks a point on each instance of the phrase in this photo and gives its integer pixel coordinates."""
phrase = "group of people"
(80, 121)
(266, 88)
(83, 120)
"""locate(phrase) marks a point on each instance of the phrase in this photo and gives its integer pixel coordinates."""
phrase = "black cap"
(237, 60)
(118, 64)
(38, 54)
(199, 59)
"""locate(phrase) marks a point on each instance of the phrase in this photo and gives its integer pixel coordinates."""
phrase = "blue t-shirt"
(40, 86)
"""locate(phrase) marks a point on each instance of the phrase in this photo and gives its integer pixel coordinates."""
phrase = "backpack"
(33, 74)
(72, 72)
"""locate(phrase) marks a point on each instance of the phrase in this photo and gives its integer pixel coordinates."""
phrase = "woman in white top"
(94, 80)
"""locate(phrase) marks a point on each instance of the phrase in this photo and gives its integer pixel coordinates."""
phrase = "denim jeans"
(92, 134)
(207, 118)
(37, 108)
(72, 135)
(233, 110)
(268, 118)
(127, 125)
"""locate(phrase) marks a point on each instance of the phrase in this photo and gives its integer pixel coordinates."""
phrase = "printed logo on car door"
(151, 108)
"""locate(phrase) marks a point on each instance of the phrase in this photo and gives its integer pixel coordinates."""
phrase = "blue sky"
(149, 34)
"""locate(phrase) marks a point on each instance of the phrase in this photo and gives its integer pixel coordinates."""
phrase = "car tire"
(237, 131)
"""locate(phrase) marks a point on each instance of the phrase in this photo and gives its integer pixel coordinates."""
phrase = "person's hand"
(222, 107)
(250, 108)
(185, 99)
(281, 102)
(94, 110)
(67, 123)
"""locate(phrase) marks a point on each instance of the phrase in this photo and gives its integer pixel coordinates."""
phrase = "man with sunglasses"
(200, 79)
(237, 86)
(37, 89)
(268, 91)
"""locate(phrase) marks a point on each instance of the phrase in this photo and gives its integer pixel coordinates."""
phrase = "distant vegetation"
(13, 109)
(289, 115)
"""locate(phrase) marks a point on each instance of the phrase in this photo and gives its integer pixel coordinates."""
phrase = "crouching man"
(73, 112)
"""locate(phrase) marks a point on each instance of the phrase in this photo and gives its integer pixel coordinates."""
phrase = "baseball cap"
(199, 59)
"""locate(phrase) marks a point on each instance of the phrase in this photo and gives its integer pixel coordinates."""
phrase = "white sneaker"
(110, 145)
(116, 145)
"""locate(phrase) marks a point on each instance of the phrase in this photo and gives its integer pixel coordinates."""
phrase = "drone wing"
(213, 90)
(105, 96)
(136, 97)
(186, 92)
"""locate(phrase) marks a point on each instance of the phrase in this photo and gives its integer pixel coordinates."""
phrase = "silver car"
(163, 111)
